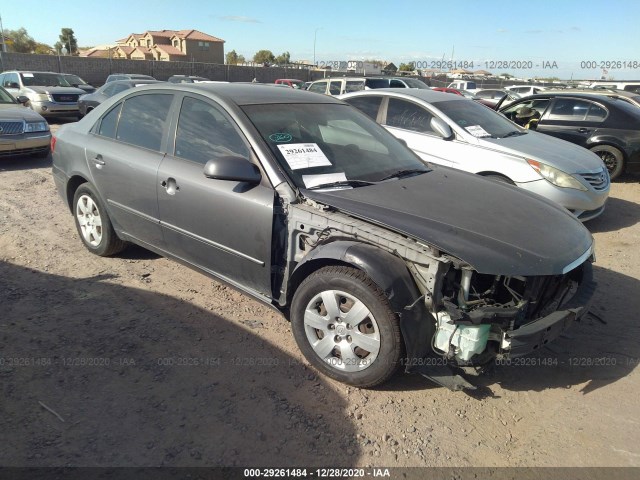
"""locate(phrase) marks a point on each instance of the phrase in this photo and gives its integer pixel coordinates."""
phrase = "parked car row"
(301, 201)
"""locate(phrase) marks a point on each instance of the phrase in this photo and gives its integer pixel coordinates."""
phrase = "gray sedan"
(457, 132)
(22, 131)
(88, 102)
(303, 203)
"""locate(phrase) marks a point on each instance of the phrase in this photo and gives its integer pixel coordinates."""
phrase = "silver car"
(22, 131)
(49, 93)
(303, 203)
(454, 131)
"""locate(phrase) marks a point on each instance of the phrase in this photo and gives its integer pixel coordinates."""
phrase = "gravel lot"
(136, 360)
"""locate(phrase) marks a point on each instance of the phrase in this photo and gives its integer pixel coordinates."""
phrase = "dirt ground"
(136, 360)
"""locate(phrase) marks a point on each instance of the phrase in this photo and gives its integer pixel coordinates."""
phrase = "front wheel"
(93, 223)
(345, 327)
(612, 157)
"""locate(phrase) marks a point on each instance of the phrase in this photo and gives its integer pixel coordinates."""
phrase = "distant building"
(170, 45)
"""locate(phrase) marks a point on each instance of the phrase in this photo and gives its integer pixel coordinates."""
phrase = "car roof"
(426, 95)
(247, 93)
(589, 91)
(30, 71)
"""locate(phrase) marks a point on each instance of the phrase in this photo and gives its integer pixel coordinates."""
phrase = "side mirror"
(23, 100)
(442, 129)
(232, 168)
(12, 85)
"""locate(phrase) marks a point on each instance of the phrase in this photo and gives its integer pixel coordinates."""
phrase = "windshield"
(43, 80)
(74, 80)
(476, 119)
(323, 143)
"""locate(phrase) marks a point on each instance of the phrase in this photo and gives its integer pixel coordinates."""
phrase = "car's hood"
(561, 154)
(12, 112)
(57, 90)
(496, 228)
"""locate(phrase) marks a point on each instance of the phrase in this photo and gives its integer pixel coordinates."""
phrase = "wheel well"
(72, 185)
(609, 144)
(89, 109)
(486, 174)
(307, 269)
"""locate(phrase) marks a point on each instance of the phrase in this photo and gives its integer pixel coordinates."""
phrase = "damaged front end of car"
(450, 315)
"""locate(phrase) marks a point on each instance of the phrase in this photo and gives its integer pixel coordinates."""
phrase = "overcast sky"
(517, 37)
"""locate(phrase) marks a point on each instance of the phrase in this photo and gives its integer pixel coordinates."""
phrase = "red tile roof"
(171, 50)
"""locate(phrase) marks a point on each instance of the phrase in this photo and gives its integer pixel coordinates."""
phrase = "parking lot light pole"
(315, 35)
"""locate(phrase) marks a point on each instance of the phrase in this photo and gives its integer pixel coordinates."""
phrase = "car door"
(123, 154)
(223, 227)
(572, 119)
(411, 122)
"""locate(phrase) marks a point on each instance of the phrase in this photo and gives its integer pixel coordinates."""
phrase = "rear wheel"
(612, 157)
(93, 223)
(345, 327)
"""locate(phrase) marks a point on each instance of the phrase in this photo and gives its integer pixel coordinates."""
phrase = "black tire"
(99, 239)
(612, 157)
(499, 178)
(379, 326)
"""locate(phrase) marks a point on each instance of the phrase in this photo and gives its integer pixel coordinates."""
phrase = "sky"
(568, 39)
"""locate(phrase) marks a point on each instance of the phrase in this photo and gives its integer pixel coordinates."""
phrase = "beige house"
(171, 45)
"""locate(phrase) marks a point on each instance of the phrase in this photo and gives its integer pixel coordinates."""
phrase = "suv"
(48, 92)
(340, 85)
(127, 76)
(187, 79)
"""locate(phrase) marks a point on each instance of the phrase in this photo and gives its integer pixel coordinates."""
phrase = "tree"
(264, 56)
(43, 49)
(507, 76)
(283, 58)
(231, 58)
(241, 59)
(68, 41)
(407, 67)
(22, 41)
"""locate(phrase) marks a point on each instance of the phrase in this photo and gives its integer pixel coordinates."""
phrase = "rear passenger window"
(367, 105)
(596, 113)
(143, 119)
(409, 116)
(335, 87)
(109, 122)
(353, 86)
(569, 109)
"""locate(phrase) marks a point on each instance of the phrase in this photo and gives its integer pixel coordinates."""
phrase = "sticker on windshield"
(477, 131)
(280, 137)
(27, 75)
(315, 180)
(303, 155)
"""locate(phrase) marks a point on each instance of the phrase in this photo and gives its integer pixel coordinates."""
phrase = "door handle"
(170, 185)
(98, 161)
(583, 130)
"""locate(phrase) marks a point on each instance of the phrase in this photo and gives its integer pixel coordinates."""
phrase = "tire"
(323, 310)
(612, 157)
(499, 178)
(93, 224)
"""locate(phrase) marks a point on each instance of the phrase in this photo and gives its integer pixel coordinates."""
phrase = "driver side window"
(204, 132)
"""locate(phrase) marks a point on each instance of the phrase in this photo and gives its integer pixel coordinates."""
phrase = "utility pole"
(4, 42)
